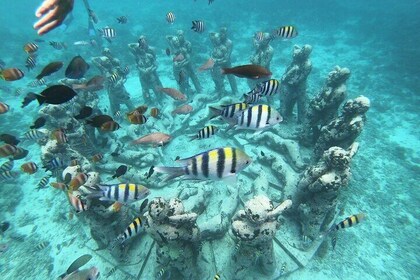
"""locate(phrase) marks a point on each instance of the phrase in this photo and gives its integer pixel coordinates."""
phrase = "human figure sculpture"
(176, 234)
(318, 189)
(182, 66)
(226, 62)
(343, 130)
(145, 57)
(293, 84)
(323, 108)
(218, 56)
(263, 55)
(254, 227)
(116, 77)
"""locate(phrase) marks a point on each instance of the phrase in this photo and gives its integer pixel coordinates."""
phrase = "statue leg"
(218, 80)
(301, 105)
(232, 80)
(194, 78)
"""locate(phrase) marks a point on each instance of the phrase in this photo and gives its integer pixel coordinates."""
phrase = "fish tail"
(173, 172)
(225, 71)
(193, 137)
(214, 112)
(41, 99)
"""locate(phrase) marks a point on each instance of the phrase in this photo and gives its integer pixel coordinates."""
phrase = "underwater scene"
(209, 139)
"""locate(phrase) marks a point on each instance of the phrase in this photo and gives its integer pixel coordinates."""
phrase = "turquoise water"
(378, 42)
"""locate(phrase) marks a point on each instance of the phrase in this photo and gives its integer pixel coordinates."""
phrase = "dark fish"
(177, 158)
(151, 171)
(122, 19)
(9, 139)
(5, 225)
(28, 99)
(84, 113)
(39, 122)
(52, 67)
(77, 68)
(94, 84)
(249, 71)
(168, 51)
(11, 74)
(57, 94)
(198, 26)
(211, 1)
(115, 154)
(143, 205)
(78, 263)
(262, 153)
(121, 170)
(20, 154)
(99, 120)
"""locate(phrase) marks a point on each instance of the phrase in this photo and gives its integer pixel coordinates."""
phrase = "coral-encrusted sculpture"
(319, 187)
(254, 228)
(293, 83)
(323, 108)
(176, 234)
(343, 130)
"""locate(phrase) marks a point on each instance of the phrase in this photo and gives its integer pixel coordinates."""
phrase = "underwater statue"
(116, 78)
(263, 55)
(176, 234)
(324, 107)
(146, 64)
(254, 228)
(344, 129)
(182, 65)
(293, 84)
(318, 190)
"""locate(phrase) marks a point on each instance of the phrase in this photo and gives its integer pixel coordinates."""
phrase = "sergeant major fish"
(215, 164)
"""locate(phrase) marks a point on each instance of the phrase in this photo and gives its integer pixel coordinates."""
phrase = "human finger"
(46, 19)
(45, 7)
(48, 27)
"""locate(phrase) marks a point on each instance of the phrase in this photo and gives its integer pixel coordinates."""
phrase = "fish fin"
(230, 180)
(173, 172)
(214, 112)
(192, 138)
(41, 99)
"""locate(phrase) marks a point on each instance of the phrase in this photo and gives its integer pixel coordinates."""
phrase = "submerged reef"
(266, 222)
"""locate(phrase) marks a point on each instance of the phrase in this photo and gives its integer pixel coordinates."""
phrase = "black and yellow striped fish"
(252, 97)
(217, 276)
(132, 230)
(30, 62)
(286, 32)
(350, 221)
(205, 132)
(228, 111)
(258, 117)
(215, 164)
(267, 88)
(42, 245)
(124, 193)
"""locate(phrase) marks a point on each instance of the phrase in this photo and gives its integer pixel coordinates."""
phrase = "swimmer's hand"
(52, 13)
